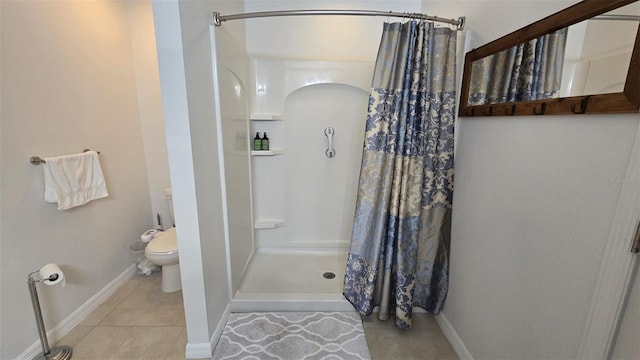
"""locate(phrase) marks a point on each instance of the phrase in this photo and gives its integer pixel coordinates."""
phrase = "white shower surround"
(300, 192)
(302, 201)
(292, 282)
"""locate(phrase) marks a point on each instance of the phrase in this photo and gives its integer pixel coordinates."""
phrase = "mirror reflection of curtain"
(529, 71)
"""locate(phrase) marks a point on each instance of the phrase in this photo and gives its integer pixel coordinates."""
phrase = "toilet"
(163, 251)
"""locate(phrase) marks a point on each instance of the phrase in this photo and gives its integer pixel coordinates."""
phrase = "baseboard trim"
(205, 350)
(452, 336)
(198, 351)
(79, 314)
(221, 324)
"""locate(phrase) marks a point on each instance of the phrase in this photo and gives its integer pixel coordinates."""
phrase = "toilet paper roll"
(51, 274)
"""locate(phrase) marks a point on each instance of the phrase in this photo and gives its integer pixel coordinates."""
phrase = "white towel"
(73, 180)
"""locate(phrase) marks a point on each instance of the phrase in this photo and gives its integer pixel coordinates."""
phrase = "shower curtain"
(529, 71)
(399, 249)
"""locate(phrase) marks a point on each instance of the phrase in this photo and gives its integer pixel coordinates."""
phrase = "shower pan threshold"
(293, 282)
(244, 302)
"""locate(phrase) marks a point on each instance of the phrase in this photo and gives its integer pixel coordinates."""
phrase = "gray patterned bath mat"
(293, 336)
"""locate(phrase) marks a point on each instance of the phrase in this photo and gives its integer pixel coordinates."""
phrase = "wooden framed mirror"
(506, 77)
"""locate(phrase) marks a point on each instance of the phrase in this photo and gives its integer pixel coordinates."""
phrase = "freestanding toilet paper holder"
(56, 353)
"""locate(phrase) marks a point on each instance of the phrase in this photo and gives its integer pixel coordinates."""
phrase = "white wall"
(68, 82)
(184, 56)
(354, 38)
(598, 55)
(487, 20)
(607, 52)
(533, 205)
(145, 60)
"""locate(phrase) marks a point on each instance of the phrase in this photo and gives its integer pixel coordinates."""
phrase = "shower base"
(283, 281)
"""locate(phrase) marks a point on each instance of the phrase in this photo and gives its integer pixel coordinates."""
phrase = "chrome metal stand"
(58, 352)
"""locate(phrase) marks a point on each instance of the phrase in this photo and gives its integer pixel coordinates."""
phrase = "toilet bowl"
(163, 250)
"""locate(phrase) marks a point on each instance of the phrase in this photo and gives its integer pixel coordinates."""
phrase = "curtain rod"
(218, 18)
(617, 17)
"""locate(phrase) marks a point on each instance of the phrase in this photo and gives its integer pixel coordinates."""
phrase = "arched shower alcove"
(321, 191)
(302, 200)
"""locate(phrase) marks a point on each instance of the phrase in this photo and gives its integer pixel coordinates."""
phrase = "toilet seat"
(163, 250)
(164, 245)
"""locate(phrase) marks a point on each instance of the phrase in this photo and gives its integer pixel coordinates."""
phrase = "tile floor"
(423, 341)
(139, 321)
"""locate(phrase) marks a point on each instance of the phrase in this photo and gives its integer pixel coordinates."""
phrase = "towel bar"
(37, 160)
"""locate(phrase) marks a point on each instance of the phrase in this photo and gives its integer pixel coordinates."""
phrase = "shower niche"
(302, 199)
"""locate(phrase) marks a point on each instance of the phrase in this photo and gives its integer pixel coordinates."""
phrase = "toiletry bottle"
(257, 142)
(265, 142)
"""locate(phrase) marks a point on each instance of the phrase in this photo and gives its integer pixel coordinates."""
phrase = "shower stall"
(289, 208)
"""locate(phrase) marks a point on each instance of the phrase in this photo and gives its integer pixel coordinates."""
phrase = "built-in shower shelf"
(268, 224)
(271, 152)
(265, 117)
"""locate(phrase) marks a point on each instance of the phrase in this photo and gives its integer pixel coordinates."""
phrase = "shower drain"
(328, 275)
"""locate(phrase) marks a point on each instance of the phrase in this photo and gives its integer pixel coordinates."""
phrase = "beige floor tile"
(100, 313)
(423, 341)
(149, 315)
(391, 344)
(74, 336)
(147, 305)
(149, 282)
(122, 342)
(419, 321)
(177, 352)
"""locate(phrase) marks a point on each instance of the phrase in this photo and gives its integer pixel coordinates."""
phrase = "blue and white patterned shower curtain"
(401, 233)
